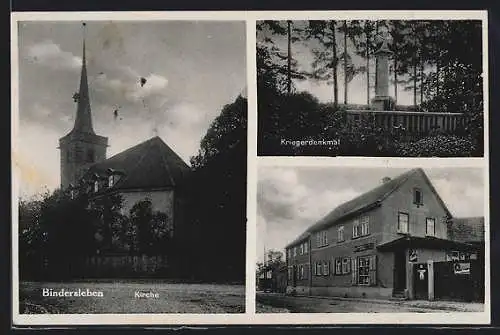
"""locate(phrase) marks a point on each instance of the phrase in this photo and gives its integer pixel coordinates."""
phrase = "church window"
(78, 155)
(96, 186)
(90, 156)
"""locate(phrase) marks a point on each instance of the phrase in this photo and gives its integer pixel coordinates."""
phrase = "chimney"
(385, 180)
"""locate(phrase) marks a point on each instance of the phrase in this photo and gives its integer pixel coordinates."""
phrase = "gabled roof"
(149, 165)
(365, 201)
(469, 229)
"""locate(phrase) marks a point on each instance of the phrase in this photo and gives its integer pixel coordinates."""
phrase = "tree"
(268, 32)
(325, 57)
(68, 236)
(274, 257)
(154, 233)
(108, 222)
(217, 199)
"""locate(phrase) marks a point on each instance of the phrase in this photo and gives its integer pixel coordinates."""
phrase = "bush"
(438, 146)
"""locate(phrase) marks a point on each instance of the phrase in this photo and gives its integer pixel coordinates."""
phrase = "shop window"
(364, 270)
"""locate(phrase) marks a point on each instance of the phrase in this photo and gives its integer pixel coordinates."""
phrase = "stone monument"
(382, 100)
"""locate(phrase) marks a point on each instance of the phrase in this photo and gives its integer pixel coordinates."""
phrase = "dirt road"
(132, 297)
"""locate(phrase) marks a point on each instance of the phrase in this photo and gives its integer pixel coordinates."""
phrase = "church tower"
(81, 147)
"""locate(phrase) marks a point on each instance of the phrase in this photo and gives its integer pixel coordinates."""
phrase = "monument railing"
(411, 124)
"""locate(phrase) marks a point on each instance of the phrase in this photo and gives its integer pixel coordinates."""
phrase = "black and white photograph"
(130, 160)
(348, 239)
(368, 87)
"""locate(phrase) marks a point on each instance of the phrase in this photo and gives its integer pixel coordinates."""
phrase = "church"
(150, 169)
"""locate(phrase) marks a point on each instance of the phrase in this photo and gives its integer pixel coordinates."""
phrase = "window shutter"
(348, 265)
(373, 270)
(354, 271)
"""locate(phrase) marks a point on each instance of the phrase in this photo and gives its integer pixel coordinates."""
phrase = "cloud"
(462, 192)
(155, 84)
(49, 54)
(288, 203)
(124, 84)
(34, 163)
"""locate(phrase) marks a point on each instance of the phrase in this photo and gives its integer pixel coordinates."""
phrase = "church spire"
(83, 122)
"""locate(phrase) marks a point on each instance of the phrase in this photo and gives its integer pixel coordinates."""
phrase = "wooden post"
(410, 281)
(430, 279)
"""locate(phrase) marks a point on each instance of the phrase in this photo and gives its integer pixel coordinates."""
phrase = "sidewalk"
(452, 306)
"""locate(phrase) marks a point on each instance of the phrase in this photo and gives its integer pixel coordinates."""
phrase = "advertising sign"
(461, 268)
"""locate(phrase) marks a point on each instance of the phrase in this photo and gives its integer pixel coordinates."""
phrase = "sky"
(302, 52)
(192, 70)
(290, 199)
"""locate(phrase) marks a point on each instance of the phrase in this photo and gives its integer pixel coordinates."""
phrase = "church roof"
(151, 164)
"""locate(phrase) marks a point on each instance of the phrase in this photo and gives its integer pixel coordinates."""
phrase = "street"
(132, 297)
(279, 303)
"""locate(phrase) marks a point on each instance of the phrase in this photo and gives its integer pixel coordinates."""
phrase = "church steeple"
(83, 122)
(81, 147)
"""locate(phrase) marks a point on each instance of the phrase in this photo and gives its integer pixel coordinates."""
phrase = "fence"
(413, 125)
(126, 266)
(98, 266)
(459, 280)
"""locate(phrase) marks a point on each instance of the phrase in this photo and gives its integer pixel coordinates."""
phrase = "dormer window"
(111, 181)
(96, 186)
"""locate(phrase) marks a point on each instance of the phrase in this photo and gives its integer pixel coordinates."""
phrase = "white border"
(250, 317)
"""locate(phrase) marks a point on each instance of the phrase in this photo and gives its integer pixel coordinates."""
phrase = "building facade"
(366, 247)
